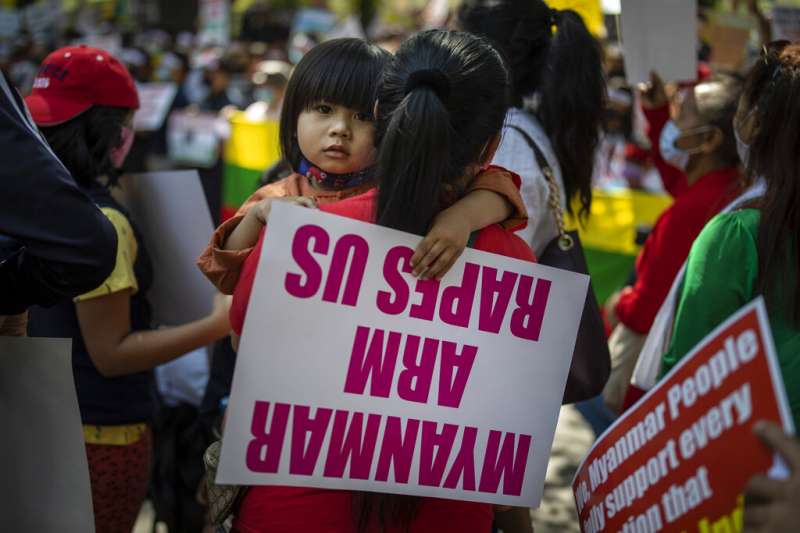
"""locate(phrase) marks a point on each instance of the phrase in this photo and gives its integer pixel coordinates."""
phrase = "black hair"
(772, 94)
(83, 143)
(717, 107)
(564, 70)
(341, 71)
(442, 101)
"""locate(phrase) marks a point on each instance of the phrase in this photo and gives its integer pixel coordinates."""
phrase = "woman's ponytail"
(442, 99)
(572, 102)
(562, 70)
(415, 150)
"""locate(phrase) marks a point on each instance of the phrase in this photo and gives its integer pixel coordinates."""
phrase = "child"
(326, 134)
(84, 102)
(450, 89)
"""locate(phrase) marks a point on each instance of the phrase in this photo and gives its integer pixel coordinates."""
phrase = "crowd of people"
(517, 112)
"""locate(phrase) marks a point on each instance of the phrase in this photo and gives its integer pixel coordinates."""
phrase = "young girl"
(327, 136)
(84, 101)
(449, 89)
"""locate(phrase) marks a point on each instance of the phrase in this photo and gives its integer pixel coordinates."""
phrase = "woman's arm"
(719, 280)
(116, 350)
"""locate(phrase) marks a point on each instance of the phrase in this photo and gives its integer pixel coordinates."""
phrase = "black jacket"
(55, 242)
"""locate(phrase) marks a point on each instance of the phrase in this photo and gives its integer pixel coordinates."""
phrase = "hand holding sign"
(773, 505)
(653, 94)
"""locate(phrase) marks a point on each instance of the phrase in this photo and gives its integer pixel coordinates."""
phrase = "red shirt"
(267, 509)
(669, 243)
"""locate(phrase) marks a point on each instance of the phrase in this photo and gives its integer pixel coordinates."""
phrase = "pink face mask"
(118, 154)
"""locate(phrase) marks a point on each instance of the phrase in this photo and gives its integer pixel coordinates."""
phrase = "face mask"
(334, 181)
(672, 154)
(742, 148)
(118, 154)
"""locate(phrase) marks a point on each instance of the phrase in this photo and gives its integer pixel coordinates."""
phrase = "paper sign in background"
(679, 459)
(659, 35)
(171, 211)
(297, 351)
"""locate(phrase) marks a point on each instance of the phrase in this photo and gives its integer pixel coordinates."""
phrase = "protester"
(557, 98)
(697, 158)
(54, 243)
(327, 137)
(84, 101)
(434, 77)
(754, 251)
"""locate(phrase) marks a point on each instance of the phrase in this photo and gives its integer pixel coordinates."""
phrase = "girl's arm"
(246, 233)
(493, 198)
(116, 350)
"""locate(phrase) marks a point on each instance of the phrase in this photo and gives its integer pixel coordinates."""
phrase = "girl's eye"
(324, 109)
(365, 117)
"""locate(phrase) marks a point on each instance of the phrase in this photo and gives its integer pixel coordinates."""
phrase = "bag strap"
(565, 241)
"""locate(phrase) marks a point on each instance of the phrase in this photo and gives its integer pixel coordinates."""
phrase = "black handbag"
(591, 361)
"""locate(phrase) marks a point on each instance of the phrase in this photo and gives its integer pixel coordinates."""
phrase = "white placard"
(786, 23)
(194, 138)
(171, 211)
(659, 35)
(215, 22)
(486, 351)
(45, 482)
(155, 100)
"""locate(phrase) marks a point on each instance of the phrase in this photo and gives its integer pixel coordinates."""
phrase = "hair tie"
(433, 79)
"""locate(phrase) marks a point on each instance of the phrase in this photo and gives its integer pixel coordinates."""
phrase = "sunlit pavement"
(573, 439)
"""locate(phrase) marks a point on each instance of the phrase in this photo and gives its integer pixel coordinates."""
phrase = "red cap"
(73, 79)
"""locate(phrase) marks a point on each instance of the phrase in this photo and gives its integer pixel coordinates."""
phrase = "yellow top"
(122, 277)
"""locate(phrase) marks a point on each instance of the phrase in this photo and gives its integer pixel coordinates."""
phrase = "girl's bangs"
(346, 81)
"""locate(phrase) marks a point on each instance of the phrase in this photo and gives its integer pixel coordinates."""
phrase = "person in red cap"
(83, 100)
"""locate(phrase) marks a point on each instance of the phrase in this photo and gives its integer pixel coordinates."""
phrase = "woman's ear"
(375, 110)
(487, 156)
(713, 140)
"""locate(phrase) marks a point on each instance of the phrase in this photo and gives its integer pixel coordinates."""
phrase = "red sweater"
(266, 509)
(669, 243)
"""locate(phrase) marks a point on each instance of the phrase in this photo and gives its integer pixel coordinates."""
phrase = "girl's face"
(335, 138)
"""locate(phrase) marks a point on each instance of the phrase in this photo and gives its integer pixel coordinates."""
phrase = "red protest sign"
(680, 458)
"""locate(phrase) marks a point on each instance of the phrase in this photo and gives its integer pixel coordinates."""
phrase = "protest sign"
(45, 481)
(668, 464)
(215, 22)
(172, 214)
(194, 138)
(730, 35)
(448, 389)
(659, 35)
(786, 23)
(155, 99)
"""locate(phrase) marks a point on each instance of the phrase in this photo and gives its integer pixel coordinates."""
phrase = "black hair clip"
(433, 79)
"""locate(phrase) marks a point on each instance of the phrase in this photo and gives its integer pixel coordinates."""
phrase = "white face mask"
(742, 148)
(672, 154)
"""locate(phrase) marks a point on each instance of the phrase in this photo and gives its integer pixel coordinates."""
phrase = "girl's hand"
(439, 250)
(263, 208)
